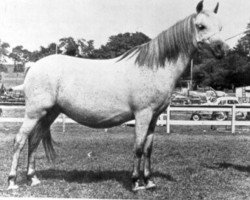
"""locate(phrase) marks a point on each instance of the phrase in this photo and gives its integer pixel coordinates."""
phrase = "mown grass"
(191, 163)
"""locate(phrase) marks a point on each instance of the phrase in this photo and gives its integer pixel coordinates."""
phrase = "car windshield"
(223, 102)
(232, 102)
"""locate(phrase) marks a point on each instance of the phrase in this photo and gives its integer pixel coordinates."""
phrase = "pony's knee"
(147, 151)
(19, 141)
(138, 151)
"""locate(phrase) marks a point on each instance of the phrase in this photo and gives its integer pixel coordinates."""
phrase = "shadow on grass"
(124, 177)
(225, 165)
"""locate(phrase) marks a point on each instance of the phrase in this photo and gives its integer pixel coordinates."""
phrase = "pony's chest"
(151, 96)
(152, 89)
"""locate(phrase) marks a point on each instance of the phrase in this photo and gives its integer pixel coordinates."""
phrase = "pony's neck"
(178, 67)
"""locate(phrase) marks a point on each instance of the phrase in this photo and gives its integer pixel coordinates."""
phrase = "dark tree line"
(116, 45)
(119, 44)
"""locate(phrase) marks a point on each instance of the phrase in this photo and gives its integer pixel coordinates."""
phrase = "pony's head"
(200, 30)
(208, 28)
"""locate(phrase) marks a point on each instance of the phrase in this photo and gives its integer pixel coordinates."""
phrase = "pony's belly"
(101, 119)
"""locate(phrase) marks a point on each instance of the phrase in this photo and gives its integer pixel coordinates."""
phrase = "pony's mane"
(178, 39)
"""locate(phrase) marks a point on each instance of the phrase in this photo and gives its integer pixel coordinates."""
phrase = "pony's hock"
(106, 93)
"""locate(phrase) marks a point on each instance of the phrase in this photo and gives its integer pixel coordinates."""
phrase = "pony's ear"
(199, 7)
(216, 8)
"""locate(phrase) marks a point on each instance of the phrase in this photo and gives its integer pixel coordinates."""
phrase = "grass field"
(191, 163)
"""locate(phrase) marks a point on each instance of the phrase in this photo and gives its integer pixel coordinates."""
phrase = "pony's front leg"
(147, 159)
(143, 119)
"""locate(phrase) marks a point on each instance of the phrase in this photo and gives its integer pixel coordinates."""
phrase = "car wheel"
(196, 117)
(221, 116)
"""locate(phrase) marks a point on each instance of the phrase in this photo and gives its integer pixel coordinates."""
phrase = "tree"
(43, 52)
(20, 57)
(68, 46)
(19, 54)
(85, 48)
(52, 48)
(35, 56)
(119, 44)
(76, 47)
(228, 72)
(243, 46)
(3, 50)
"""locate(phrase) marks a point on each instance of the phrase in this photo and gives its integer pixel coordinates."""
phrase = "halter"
(208, 37)
(199, 43)
(229, 38)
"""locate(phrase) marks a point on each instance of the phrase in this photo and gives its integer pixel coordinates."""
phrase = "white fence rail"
(233, 109)
(59, 119)
(233, 122)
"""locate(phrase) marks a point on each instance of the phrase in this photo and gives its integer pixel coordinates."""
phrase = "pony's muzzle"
(219, 49)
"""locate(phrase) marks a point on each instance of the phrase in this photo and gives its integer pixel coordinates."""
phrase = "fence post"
(63, 122)
(168, 120)
(233, 118)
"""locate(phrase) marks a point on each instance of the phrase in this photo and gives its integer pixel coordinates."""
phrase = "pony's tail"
(27, 67)
(26, 71)
(48, 147)
(42, 132)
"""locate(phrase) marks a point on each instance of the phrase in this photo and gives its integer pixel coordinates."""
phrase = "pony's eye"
(200, 27)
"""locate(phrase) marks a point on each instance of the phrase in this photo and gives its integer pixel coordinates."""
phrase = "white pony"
(106, 93)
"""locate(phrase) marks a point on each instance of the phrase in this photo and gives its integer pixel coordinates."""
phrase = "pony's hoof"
(13, 187)
(150, 185)
(137, 187)
(35, 181)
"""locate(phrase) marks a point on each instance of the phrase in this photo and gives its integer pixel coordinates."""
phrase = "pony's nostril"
(218, 46)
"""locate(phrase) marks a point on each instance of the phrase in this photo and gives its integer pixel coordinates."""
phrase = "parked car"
(198, 115)
(197, 100)
(180, 101)
(220, 116)
(160, 122)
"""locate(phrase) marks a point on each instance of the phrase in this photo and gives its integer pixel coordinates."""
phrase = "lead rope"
(243, 32)
(238, 34)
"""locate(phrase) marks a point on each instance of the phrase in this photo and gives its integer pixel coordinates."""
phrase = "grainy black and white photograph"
(132, 99)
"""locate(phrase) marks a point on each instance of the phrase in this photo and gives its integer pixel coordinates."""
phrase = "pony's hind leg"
(31, 175)
(19, 143)
(41, 132)
(143, 119)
